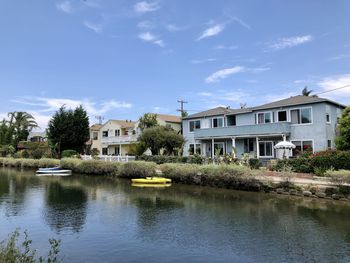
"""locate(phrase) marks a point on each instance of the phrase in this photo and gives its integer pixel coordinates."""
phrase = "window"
(217, 122)
(282, 116)
(328, 118)
(264, 117)
(329, 144)
(105, 134)
(194, 149)
(104, 151)
(302, 147)
(301, 116)
(95, 135)
(231, 120)
(195, 125)
(265, 149)
(248, 145)
(117, 133)
(219, 148)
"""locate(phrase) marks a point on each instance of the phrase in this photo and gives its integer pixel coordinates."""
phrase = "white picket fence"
(110, 158)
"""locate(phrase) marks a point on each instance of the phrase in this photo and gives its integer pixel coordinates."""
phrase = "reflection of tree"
(150, 208)
(65, 207)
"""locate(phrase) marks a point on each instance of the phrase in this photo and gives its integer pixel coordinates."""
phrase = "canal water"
(100, 219)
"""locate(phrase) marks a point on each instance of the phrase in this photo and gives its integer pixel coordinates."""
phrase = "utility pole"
(182, 110)
(100, 119)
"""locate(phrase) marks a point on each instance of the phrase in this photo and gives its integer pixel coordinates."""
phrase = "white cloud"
(173, 28)
(289, 42)
(336, 82)
(200, 61)
(92, 3)
(341, 56)
(97, 28)
(149, 37)
(146, 24)
(241, 22)
(205, 94)
(65, 7)
(224, 73)
(225, 47)
(144, 7)
(212, 31)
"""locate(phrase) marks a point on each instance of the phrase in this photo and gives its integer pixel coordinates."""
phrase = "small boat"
(150, 185)
(54, 171)
(151, 180)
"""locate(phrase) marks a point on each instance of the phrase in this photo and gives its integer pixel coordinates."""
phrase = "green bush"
(254, 163)
(331, 159)
(339, 177)
(29, 163)
(160, 159)
(299, 165)
(68, 153)
(137, 169)
(225, 176)
(95, 167)
(38, 153)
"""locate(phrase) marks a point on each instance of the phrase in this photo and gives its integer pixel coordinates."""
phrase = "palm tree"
(21, 123)
(306, 92)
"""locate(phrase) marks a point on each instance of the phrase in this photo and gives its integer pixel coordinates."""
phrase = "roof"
(124, 123)
(292, 101)
(95, 127)
(296, 100)
(217, 111)
(169, 118)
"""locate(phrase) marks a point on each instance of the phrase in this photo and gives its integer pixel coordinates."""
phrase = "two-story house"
(308, 122)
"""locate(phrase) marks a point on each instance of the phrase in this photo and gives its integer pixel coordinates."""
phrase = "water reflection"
(65, 207)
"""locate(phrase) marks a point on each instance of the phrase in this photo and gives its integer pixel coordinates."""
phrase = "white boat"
(55, 171)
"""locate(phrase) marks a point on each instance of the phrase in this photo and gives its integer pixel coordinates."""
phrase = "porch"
(261, 147)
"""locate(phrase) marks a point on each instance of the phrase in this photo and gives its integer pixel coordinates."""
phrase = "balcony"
(245, 130)
(123, 139)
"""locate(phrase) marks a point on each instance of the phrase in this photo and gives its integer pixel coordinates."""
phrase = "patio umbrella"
(284, 145)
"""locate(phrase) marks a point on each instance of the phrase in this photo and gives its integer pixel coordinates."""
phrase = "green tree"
(343, 140)
(306, 91)
(161, 137)
(69, 130)
(148, 120)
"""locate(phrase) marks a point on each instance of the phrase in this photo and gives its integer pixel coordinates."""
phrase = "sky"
(122, 58)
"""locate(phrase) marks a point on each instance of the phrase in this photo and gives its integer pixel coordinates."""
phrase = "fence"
(110, 158)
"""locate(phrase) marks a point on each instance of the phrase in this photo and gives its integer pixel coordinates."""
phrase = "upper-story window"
(282, 116)
(117, 133)
(328, 118)
(264, 117)
(217, 122)
(105, 134)
(194, 125)
(231, 120)
(301, 116)
(95, 135)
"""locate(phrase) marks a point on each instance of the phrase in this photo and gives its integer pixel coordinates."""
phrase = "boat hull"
(151, 180)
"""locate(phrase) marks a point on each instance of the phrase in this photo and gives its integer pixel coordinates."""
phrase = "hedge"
(160, 159)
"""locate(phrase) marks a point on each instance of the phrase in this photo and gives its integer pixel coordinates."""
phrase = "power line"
(333, 89)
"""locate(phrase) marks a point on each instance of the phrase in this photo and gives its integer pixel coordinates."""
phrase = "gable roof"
(95, 127)
(292, 101)
(123, 123)
(169, 118)
(296, 100)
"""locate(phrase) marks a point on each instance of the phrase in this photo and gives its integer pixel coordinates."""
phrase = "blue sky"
(121, 58)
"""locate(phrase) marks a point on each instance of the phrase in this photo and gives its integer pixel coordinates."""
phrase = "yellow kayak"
(151, 180)
(150, 185)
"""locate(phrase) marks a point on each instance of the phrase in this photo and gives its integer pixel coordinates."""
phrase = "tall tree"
(343, 140)
(148, 120)
(161, 137)
(306, 91)
(69, 130)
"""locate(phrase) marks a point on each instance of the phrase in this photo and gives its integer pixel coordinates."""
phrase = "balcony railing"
(119, 139)
(245, 130)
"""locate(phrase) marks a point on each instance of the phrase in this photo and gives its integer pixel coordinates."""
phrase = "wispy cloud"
(224, 73)
(241, 22)
(289, 42)
(145, 7)
(335, 82)
(220, 47)
(97, 28)
(146, 24)
(173, 27)
(65, 7)
(149, 37)
(200, 61)
(212, 31)
(92, 3)
(341, 56)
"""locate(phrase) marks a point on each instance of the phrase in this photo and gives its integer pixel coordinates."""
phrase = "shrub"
(160, 159)
(94, 153)
(68, 153)
(331, 158)
(254, 163)
(339, 177)
(299, 165)
(137, 169)
(38, 153)
(95, 167)
(25, 154)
